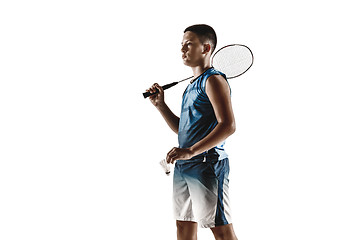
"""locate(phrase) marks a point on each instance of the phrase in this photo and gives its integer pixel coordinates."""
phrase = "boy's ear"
(207, 47)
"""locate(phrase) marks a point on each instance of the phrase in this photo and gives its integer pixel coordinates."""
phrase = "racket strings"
(233, 60)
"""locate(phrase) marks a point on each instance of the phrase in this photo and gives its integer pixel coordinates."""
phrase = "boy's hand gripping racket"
(232, 60)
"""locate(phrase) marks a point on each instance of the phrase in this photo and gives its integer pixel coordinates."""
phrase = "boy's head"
(205, 33)
(198, 44)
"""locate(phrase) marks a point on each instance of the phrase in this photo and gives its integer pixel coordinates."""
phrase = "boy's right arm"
(158, 101)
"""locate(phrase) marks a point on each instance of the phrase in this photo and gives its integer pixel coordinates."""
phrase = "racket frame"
(232, 45)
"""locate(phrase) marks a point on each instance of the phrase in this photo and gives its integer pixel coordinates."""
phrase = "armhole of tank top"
(216, 73)
(224, 76)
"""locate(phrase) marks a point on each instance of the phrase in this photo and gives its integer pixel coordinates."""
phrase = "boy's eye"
(186, 44)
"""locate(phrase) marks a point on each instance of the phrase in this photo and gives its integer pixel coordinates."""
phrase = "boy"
(200, 187)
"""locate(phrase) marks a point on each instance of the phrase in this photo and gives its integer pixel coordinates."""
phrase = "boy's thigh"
(186, 228)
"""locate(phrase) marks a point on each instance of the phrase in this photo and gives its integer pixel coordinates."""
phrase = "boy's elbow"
(228, 126)
(231, 127)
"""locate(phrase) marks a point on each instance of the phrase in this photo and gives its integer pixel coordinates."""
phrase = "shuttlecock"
(165, 166)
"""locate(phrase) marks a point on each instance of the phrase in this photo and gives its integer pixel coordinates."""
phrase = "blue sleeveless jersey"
(198, 118)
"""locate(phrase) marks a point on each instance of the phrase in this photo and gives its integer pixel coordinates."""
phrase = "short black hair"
(204, 33)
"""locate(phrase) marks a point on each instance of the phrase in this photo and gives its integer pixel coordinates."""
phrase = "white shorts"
(200, 192)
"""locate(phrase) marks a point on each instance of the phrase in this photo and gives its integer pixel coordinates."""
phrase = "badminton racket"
(232, 60)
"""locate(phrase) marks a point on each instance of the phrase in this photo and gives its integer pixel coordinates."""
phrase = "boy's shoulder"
(213, 71)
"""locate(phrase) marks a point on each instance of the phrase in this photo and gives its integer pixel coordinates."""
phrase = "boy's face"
(193, 51)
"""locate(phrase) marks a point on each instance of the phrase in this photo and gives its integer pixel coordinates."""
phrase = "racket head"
(233, 60)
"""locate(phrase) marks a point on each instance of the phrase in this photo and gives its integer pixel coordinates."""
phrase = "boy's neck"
(198, 70)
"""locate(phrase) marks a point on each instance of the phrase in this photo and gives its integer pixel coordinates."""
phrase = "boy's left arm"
(218, 92)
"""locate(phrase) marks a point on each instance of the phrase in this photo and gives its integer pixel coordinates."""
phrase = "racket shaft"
(147, 94)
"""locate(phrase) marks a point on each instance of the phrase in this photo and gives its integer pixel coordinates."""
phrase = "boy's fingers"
(174, 155)
(170, 155)
(154, 87)
(173, 159)
(160, 89)
(151, 89)
(172, 150)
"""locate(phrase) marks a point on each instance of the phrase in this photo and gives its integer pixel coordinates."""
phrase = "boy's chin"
(187, 63)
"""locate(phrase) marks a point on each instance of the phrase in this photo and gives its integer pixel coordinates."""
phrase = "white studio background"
(79, 146)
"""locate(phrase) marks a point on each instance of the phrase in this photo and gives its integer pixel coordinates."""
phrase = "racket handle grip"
(147, 94)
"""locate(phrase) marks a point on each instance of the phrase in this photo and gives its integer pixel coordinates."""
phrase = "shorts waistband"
(198, 159)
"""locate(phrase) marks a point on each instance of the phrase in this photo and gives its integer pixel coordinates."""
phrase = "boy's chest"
(194, 96)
